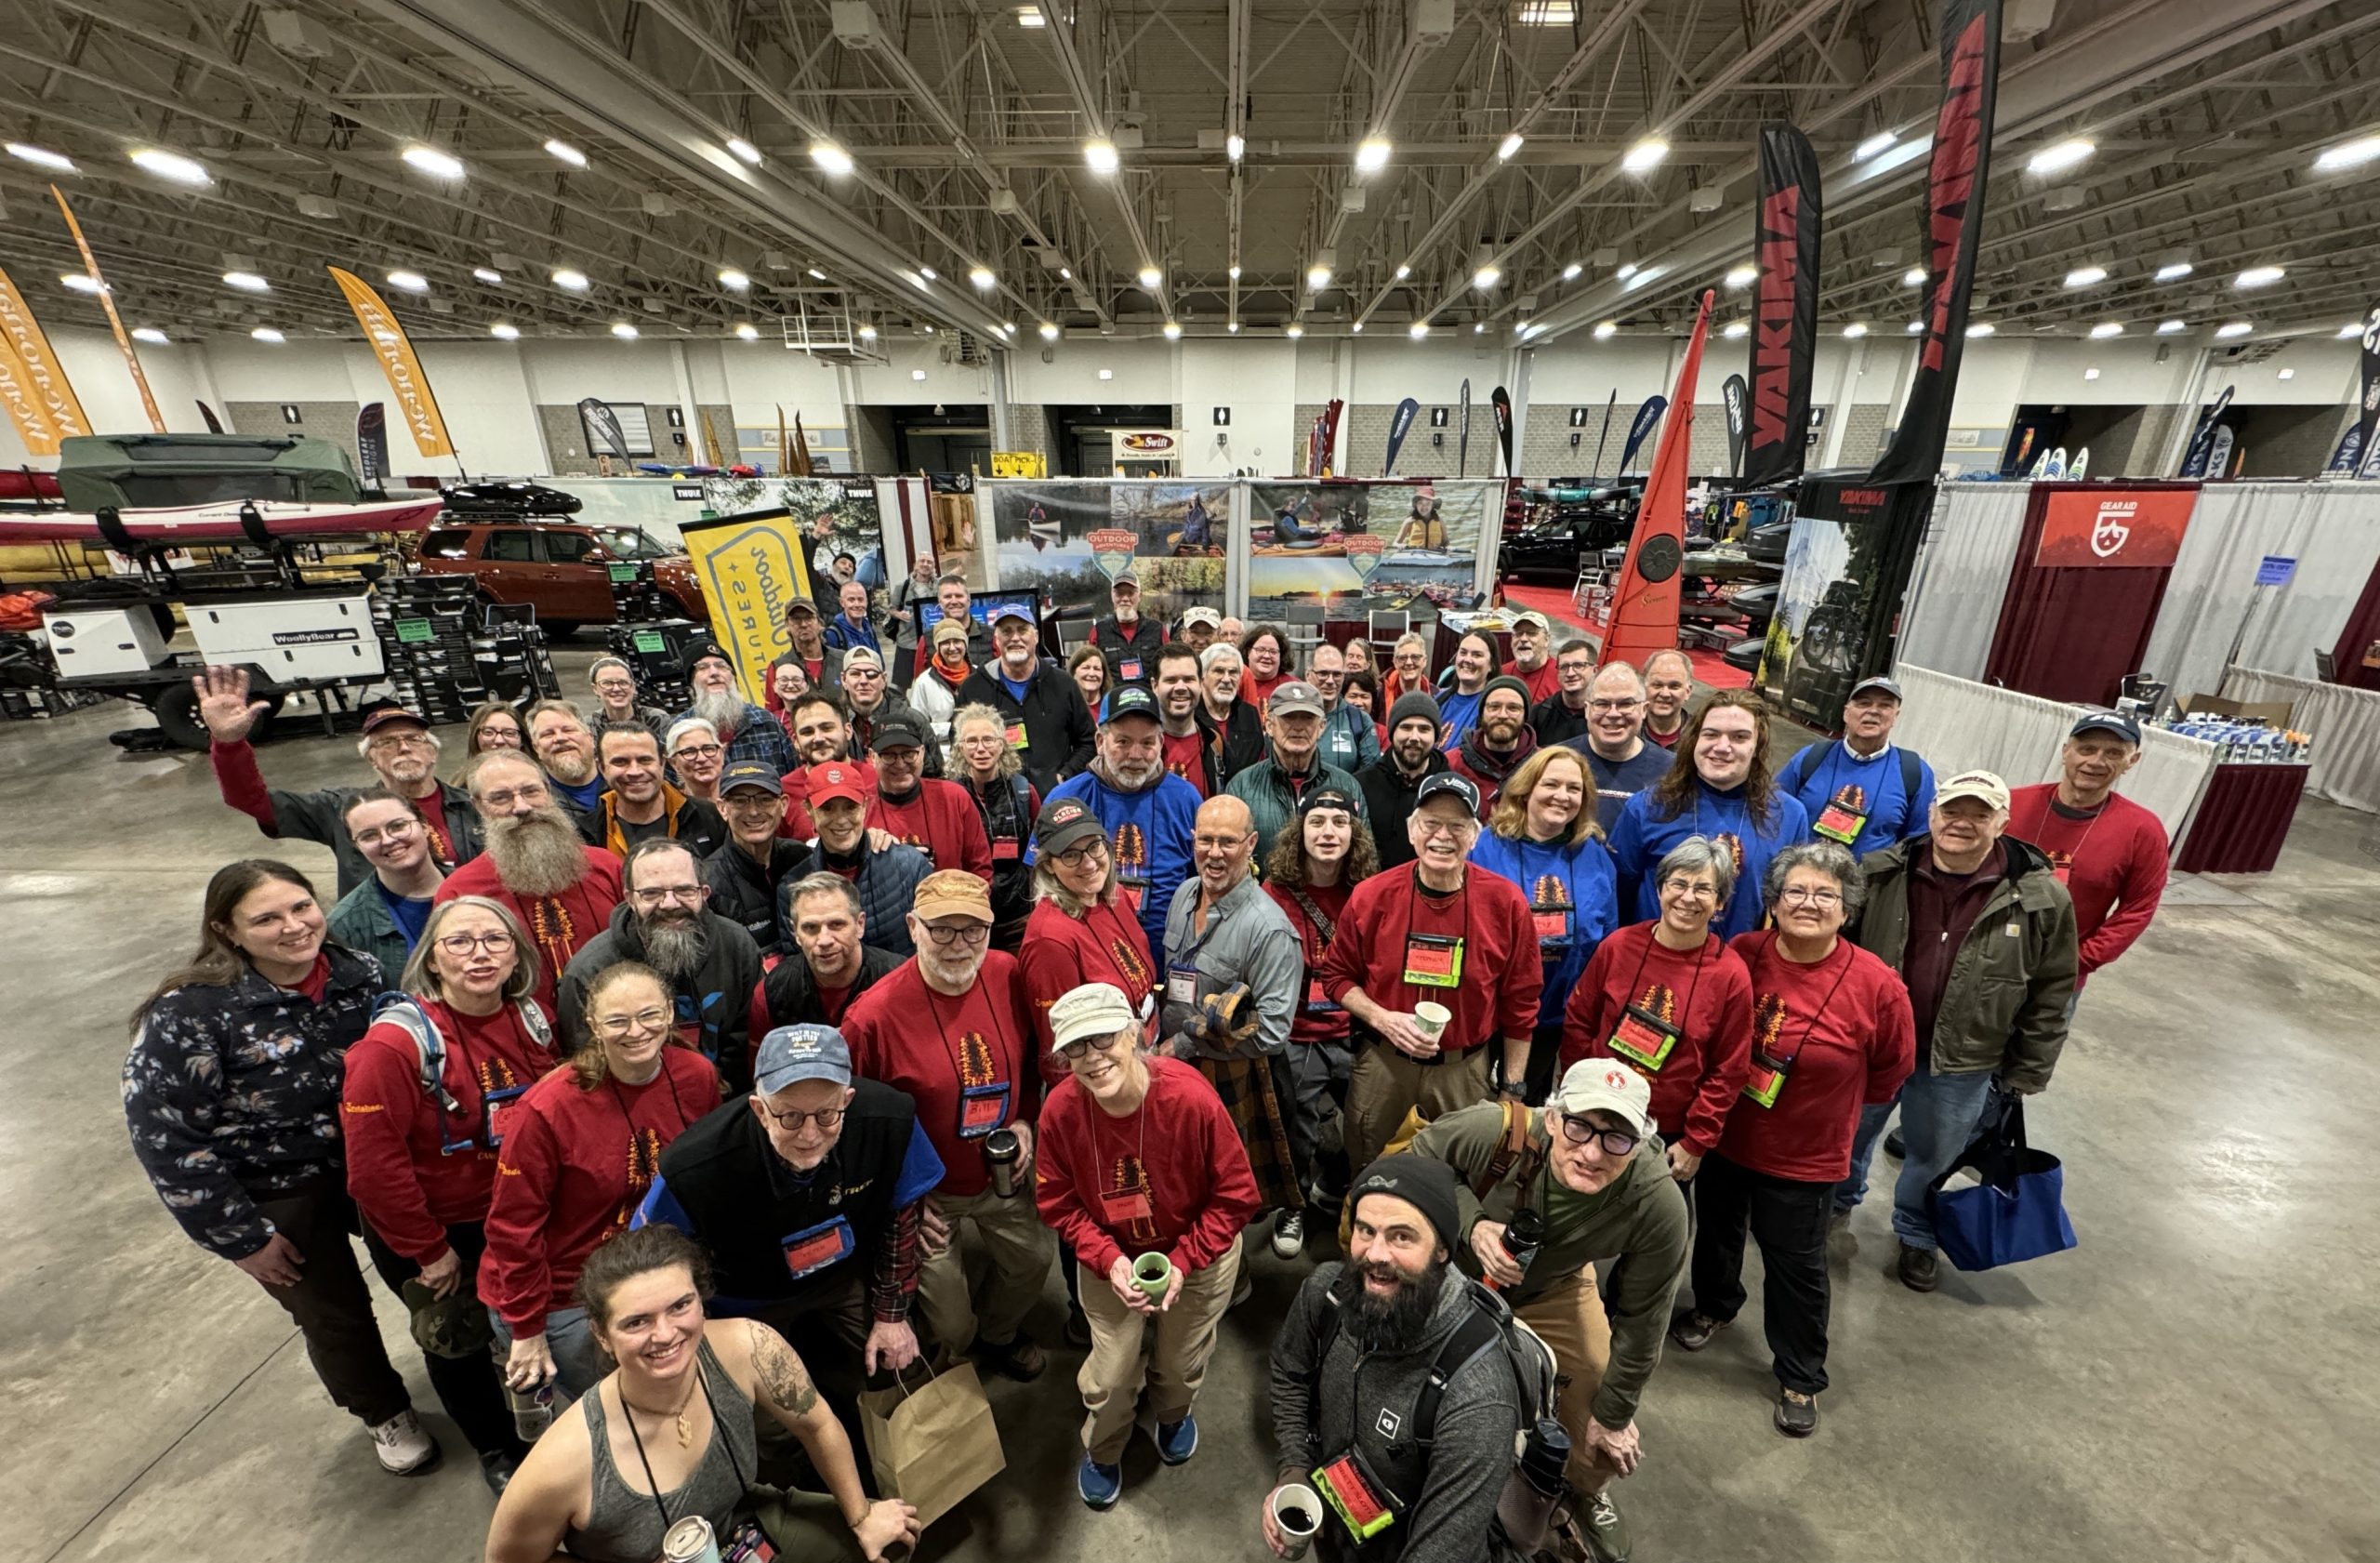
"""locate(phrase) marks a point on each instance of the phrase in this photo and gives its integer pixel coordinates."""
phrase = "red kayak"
(219, 522)
(26, 483)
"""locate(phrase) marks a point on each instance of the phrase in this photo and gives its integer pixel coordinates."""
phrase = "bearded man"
(748, 732)
(1148, 811)
(563, 890)
(710, 962)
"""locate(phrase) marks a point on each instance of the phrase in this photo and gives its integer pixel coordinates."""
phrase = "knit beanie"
(1421, 1182)
(1506, 681)
(1413, 704)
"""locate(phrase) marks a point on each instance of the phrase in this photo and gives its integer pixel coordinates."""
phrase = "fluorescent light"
(1008, 328)
(2346, 154)
(436, 164)
(1873, 145)
(1548, 13)
(1914, 327)
(170, 166)
(2175, 328)
(868, 333)
(982, 278)
(247, 282)
(1641, 276)
(1605, 329)
(1356, 329)
(1233, 274)
(747, 331)
(1234, 146)
(81, 282)
(734, 280)
(2107, 328)
(1570, 273)
(1371, 155)
(1151, 277)
(267, 333)
(1913, 278)
(411, 282)
(2236, 328)
(570, 281)
(2258, 276)
(564, 152)
(623, 331)
(1317, 277)
(1509, 145)
(1856, 330)
(1403, 271)
(1233, 328)
(830, 157)
(1099, 154)
(1048, 330)
(1480, 328)
(1066, 274)
(1627, 269)
(2173, 271)
(1173, 331)
(505, 332)
(1982, 328)
(817, 275)
(488, 274)
(1735, 330)
(929, 273)
(41, 157)
(1644, 156)
(149, 333)
(2086, 276)
(744, 150)
(2059, 157)
(1742, 276)
(1418, 330)
(1487, 277)
(1030, 16)
(2352, 328)
(1293, 331)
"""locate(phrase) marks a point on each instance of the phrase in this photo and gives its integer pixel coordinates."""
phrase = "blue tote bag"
(2016, 1212)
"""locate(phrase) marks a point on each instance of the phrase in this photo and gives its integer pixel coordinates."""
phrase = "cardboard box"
(2275, 715)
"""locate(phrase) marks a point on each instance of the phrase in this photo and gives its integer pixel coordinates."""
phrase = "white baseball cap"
(1607, 1085)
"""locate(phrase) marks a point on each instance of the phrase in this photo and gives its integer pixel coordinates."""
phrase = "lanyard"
(1635, 984)
(958, 1064)
(622, 1101)
(1825, 1004)
(1413, 896)
(627, 1414)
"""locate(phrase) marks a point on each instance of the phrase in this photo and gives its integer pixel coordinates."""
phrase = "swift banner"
(750, 566)
(1645, 604)
(1502, 402)
(34, 369)
(416, 408)
(2132, 528)
(1734, 394)
(1955, 180)
(1784, 308)
(1399, 425)
(2355, 454)
(1646, 415)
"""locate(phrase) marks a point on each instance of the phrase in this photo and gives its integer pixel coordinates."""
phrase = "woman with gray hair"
(614, 685)
(1831, 1032)
(1670, 1000)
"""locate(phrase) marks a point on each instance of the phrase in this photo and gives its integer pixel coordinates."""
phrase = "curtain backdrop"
(2345, 726)
(1961, 574)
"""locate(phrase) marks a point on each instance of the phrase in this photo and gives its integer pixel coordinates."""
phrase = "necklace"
(685, 1405)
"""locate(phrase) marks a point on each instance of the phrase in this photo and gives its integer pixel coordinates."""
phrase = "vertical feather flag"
(415, 406)
(1644, 608)
(39, 385)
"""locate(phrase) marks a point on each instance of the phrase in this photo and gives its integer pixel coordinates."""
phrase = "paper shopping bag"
(934, 1445)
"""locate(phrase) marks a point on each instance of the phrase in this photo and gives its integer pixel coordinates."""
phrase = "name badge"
(1128, 669)
(1122, 1210)
(2059, 873)
(1434, 960)
(1181, 985)
(982, 1108)
(1837, 822)
(815, 1248)
(1768, 1076)
(1004, 849)
(1644, 1039)
(1317, 1000)
(1016, 739)
(1553, 926)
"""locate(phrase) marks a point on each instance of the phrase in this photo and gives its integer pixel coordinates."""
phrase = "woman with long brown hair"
(1719, 785)
(493, 724)
(581, 1149)
(231, 1094)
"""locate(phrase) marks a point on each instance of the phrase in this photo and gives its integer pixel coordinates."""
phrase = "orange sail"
(1644, 608)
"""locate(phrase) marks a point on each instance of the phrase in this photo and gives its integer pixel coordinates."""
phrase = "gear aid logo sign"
(2112, 528)
(1111, 550)
(1363, 552)
(2138, 528)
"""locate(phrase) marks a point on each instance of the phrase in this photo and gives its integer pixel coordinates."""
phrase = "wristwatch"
(1517, 1090)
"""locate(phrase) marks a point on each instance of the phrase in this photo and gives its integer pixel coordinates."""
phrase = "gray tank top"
(624, 1525)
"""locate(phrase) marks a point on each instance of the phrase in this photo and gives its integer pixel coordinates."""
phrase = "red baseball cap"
(839, 781)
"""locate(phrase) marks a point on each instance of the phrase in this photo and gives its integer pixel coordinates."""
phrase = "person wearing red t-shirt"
(563, 890)
(1182, 741)
(1831, 1032)
(421, 1164)
(1139, 1161)
(1533, 661)
(949, 1027)
(1440, 934)
(1268, 664)
(1310, 875)
(1670, 1001)
(1669, 684)
(1086, 926)
(579, 1150)
(935, 816)
(2108, 852)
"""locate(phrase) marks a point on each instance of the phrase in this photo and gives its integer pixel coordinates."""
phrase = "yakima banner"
(1646, 415)
(1645, 604)
(1502, 402)
(2355, 454)
(1955, 180)
(1736, 395)
(415, 406)
(2196, 459)
(1398, 427)
(1784, 306)
(34, 368)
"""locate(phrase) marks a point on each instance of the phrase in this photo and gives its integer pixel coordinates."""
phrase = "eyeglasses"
(534, 793)
(697, 751)
(1073, 1050)
(1615, 1142)
(1456, 829)
(1628, 704)
(460, 945)
(1074, 858)
(949, 933)
(618, 1026)
(1692, 891)
(1800, 896)
(396, 830)
(826, 1117)
(662, 894)
(401, 740)
(615, 686)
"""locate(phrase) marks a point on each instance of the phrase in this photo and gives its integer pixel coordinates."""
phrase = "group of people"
(653, 1041)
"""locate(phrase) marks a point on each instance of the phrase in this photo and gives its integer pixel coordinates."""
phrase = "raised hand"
(223, 703)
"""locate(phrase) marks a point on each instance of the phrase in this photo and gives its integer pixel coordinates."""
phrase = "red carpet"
(1555, 604)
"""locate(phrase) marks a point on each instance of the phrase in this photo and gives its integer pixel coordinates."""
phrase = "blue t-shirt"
(1831, 774)
(1616, 782)
(410, 915)
(586, 794)
(1642, 839)
(1149, 832)
(1574, 899)
(1015, 687)
(1458, 714)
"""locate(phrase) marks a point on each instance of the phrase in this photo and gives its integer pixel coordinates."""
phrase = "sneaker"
(1288, 1235)
(402, 1448)
(1693, 1330)
(1917, 1268)
(1019, 1358)
(1606, 1532)
(1077, 1329)
(1243, 1288)
(1893, 1147)
(496, 1469)
(1177, 1441)
(1099, 1485)
(1797, 1414)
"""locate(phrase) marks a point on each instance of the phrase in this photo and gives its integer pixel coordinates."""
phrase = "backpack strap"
(1519, 1118)
(1478, 1335)
(1910, 775)
(405, 1013)
(533, 1020)
(1798, 772)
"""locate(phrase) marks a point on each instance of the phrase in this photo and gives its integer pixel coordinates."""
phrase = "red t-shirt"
(1256, 691)
(408, 1186)
(1186, 756)
(1706, 994)
(2111, 861)
(966, 1061)
(575, 1167)
(1390, 918)
(558, 926)
(1544, 684)
(1170, 1177)
(940, 820)
(1317, 1020)
(1666, 740)
(1060, 953)
(1845, 1023)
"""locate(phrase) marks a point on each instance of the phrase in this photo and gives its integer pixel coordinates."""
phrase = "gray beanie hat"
(1413, 704)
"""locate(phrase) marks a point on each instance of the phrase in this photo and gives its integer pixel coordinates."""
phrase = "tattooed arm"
(782, 1385)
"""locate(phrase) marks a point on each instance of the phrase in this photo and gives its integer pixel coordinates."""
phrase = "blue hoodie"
(1643, 838)
(1574, 895)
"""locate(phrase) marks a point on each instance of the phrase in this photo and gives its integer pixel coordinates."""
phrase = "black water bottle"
(1526, 1508)
(1524, 1235)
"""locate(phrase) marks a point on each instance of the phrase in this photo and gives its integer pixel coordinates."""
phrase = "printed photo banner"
(842, 521)
(1353, 546)
(1066, 541)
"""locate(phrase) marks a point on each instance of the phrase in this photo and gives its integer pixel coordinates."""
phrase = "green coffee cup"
(1152, 1273)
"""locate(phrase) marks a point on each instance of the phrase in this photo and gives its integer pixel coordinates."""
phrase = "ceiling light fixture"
(747, 331)
(1356, 329)
(1856, 330)
(570, 281)
(2172, 328)
(1030, 16)
(1108, 374)
(1099, 155)
(1048, 330)
(2236, 328)
(1509, 145)
(1233, 328)
(1371, 155)
(2090, 374)
(80, 281)
(830, 158)
(564, 152)
(2059, 157)
(1233, 274)
(1150, 277)
(1173, 331)
(170, 166)
(2173, 271)
(2086, 276)
(1234, 146)
(2346, 154)
(868, 333)
(1742, 276)
(1605, 329)
(1418, 330)
(41, 157)
(744, 150)
(1403, 271)
(1735, 330)
(409, 282)
(267, 333)
(1913, 278)
(488, 274)
(2105, 329)
(734, 280)
(1570, 273)
(1982, 328)
(930, 273)
(2259, 276)
(1487, 277)
(623, 331)
(1627, 269)
(1317, 277)
(504, 332)
(247, 282)
(1295, 331)
(430, 160)
(149, 333)
(1914, 327)
(1873, 145)
(1479, 327)
(1644, 156)
(917, 373)
(2352, 328)
(982, 278)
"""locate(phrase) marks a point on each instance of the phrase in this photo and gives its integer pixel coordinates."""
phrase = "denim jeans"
(579, 1363)
(1938, 1115)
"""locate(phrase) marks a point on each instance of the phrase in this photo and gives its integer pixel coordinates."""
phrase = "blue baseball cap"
(793, 1053)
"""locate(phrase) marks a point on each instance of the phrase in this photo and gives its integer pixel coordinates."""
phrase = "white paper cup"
(1297, 1513)
(1433, 1019)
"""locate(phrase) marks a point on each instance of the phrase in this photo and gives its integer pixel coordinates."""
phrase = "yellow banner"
(42, 379)
(116, 321)
(416, 406)
(1019, 464)
(750, 566)
(24, 409)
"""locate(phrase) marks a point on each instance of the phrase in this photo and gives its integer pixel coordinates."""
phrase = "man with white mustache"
(563, 890)
(748, 732)
(708, 962)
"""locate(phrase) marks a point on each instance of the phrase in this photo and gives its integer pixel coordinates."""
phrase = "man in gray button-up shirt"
(1235, 974)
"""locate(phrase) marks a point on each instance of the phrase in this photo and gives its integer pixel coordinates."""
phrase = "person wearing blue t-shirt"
(384, 915)
(1474, 664)
(1718, 786)
(1862, 790)
(1149, 812)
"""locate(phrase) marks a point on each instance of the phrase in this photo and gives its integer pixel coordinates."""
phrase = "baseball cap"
(1890, 686)
(385, 713)
(801, 605)
(1207, 616)
(751, 773)
(1422, 1181)
(793, 1053)
(1533, 616)
(829, 782)
(1446, 783)
(1096, 1009)
(1329, 798)
(1295, 697)
(1124, 581)
(1981, 785)
(1064, 822)
(861, 656)
(2116, 722)
(1012, 610)
(953, 893)
(1129, 699)
(1607, 1085)
(896, 735)
(949, 630)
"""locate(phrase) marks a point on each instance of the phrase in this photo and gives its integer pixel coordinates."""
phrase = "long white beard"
(724, 708)
(536, 855)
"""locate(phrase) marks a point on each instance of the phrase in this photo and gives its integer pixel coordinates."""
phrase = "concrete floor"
(2196, 1381)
